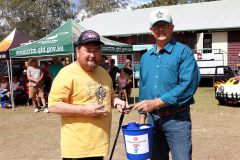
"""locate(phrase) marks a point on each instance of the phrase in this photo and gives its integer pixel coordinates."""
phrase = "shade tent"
(63, 42)
(15, 39)
(17, 69)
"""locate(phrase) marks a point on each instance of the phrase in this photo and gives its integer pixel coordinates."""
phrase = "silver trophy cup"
(100, 93)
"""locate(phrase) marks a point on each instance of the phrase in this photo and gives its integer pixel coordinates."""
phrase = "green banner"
(63, 41)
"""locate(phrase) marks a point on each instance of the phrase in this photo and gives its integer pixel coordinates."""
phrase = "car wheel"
(221, 102)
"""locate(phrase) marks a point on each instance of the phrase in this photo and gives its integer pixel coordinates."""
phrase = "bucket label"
(137, 144)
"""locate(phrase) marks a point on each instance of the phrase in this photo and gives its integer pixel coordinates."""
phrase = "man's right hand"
(92, 110)
(38, 82)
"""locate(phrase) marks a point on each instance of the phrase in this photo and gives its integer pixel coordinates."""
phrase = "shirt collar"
(168, 48)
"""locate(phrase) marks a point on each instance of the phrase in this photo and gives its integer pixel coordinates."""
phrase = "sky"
(134, 3)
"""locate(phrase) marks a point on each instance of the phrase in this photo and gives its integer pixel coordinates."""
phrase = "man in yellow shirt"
(85, 128)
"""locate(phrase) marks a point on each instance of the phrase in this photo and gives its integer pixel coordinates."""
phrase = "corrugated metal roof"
(188, 17)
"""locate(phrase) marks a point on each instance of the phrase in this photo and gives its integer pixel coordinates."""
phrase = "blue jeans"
(172, 133)
(1, 93)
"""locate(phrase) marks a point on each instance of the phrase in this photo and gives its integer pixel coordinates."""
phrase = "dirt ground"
(25, 135)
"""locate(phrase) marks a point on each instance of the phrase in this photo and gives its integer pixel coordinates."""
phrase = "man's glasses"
(159, 26)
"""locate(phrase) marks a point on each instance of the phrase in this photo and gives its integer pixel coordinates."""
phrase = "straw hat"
(32, 59)
(54, 57)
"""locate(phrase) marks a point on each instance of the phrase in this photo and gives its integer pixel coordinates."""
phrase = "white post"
(72, 57)
(9, 75)
(133, 79)
(11, 89)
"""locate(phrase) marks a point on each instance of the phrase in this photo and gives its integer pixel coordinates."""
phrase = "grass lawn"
(30, 136)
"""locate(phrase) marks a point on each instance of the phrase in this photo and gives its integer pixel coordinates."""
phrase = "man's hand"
(92, 109)
(145, 106)
(121, 105)
(38, 82)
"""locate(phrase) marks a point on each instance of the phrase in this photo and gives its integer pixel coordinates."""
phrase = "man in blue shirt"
(169, 77)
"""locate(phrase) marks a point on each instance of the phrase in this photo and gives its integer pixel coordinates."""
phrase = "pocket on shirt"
(170, 73)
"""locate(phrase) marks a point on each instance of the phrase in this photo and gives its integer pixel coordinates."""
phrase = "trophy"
(100, 93)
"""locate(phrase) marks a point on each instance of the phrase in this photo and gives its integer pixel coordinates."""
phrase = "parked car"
(227, 85)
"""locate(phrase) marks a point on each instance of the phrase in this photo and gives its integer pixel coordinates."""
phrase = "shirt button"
(156, 76)
(155, 86)
(157, 65)
(155, 97)
(159, 56)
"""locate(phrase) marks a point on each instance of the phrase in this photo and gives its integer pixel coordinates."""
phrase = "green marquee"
(63, 41)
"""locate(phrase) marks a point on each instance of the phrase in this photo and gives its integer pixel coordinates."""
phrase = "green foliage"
(158, 3)
(30, 16)
(89, 8)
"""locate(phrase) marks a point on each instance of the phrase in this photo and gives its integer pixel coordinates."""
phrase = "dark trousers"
(15, 96)
(114, 86)
(87, 158)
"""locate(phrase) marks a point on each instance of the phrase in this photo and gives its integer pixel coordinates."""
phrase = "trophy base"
(102, 109)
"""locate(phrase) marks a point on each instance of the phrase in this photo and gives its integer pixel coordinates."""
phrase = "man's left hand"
(144, 106)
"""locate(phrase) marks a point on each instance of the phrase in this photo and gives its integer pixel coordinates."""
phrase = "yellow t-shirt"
(83, 136)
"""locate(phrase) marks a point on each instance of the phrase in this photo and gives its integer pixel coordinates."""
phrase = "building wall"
(227, 41)
(220, 41)
(151, 39)
(200, 40)
(234, 43)
(233, 47)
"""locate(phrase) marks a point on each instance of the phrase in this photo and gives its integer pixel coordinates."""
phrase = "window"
(142, 39)
(207, 43)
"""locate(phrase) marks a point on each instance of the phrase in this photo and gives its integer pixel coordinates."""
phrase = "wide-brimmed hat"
(32, 59)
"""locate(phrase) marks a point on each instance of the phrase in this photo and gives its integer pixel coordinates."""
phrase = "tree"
(158, 3)
(89, 8)
(30, 16)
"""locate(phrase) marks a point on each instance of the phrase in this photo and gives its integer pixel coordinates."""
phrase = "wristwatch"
(116, 105)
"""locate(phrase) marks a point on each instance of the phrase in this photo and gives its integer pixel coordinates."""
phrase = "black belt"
(169, 112)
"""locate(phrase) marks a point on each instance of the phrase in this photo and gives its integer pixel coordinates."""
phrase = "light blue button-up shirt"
(172, 74)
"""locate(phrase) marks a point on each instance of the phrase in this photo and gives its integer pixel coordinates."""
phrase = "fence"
(208, 59)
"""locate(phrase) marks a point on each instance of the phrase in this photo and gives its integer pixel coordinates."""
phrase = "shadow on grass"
(230, 105)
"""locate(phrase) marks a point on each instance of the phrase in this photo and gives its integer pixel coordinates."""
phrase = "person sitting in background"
(20, 90)
(3, 88)
(123, 81)
(129, 71)
(4, 83)
(15, 84)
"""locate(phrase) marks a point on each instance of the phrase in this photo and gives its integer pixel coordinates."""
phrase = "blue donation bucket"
(138, 140)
